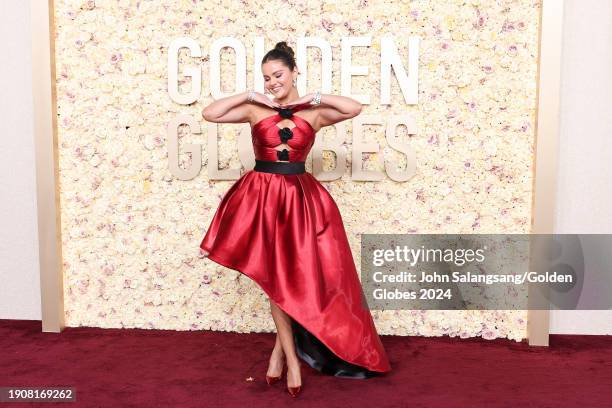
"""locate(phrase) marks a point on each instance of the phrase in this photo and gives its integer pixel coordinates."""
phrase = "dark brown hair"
(283, 52)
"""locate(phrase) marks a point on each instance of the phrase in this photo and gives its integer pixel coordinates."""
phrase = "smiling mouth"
(276, 89)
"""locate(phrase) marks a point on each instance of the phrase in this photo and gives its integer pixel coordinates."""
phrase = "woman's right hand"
(264, 100)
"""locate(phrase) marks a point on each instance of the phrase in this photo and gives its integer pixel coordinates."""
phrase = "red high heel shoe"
(271, 380)
(294, 391)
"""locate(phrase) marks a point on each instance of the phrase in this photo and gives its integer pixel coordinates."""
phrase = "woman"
(279, 226)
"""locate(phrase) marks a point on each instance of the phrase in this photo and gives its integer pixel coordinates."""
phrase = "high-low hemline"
(317, 365)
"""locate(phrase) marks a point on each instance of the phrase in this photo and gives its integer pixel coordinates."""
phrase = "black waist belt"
(279, 167)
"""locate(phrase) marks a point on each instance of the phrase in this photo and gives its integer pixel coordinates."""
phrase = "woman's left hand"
(304, 99)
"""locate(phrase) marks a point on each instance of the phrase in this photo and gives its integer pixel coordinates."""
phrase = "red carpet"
(146, 368)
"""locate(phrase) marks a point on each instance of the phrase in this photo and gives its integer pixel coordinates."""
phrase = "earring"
(294, 82)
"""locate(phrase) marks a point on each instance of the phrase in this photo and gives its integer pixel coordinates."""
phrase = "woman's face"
(278, 79)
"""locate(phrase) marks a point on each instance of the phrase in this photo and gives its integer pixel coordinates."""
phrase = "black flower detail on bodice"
(282, 154)
(285, 134)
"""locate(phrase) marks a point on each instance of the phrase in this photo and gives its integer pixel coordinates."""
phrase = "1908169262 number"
(27, 394)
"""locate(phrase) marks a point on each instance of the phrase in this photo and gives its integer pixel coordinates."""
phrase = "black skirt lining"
(318, 356)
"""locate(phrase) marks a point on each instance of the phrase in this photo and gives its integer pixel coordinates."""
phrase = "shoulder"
(310, 113)
(259, 113)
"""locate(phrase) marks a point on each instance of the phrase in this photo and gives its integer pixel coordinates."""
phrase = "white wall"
(584, 190)
(19, 277)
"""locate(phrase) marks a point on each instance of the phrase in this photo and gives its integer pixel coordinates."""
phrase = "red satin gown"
(286, 233)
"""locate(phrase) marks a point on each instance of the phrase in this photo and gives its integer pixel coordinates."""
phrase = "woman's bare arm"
(336, 108)
(235, 108)
(231, 109)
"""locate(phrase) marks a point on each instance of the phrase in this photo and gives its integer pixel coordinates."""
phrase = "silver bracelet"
(316, 100)
(251, 96)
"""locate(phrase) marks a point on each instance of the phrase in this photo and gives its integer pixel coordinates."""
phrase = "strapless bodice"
(267, 136)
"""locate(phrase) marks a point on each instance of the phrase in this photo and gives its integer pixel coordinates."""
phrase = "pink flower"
(489, 334)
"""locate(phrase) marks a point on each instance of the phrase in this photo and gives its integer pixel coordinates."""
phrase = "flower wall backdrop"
(131, 229)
